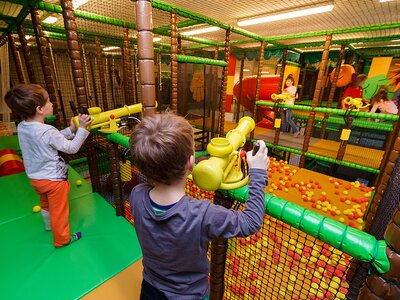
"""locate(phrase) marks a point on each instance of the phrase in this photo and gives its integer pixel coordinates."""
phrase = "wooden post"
(182, 82)
(101, 73)
(218, 257)
(240, 87)
(214, 100)
(17, 62)
(281, 79)
(386, 225)
(257, 96)
(92, 62)
(79, 82)
(26, 53)
(222, 102)
(127, 69)
(333, 89)
(283, 67)
(44, 62)
(310, 123)
(116, 178)
(391, 155)
(303, 80)
(146, 56)
(74, 52)
(174, 62)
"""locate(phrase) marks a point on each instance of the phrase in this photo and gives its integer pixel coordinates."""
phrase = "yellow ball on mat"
(36, 208)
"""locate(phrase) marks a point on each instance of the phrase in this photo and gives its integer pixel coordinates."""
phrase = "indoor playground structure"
(332, 214)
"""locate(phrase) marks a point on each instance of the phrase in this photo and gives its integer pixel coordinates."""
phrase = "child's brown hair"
(161, 146)
(290, 77)
(23, 99)
(382, 94)
(359, 78)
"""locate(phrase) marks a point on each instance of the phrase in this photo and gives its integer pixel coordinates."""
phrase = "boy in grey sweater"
(174, 230)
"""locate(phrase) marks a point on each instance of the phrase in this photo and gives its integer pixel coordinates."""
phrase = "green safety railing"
(382, 126)
(201, 60)
(323, 158)
(335, 111)
(356, 243)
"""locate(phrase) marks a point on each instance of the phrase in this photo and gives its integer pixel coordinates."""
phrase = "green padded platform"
(17, 197)
(31, 268)
(10, 142)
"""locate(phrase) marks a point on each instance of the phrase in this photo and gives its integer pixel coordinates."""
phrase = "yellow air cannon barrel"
(284, 97)
(355, 103)
(216, 172)
(106, 120)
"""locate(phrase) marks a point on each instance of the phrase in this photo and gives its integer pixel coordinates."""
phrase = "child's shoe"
(76, 236)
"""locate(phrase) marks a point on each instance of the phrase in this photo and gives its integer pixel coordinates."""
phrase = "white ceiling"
(345, 15)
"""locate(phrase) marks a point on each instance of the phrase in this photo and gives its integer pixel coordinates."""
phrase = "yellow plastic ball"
(36, 208)
(78, 182)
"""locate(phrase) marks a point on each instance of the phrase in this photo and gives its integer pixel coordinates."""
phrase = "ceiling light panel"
(285, 15)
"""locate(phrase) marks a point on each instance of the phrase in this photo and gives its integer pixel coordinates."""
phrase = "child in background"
(354, 89)
(40, 145)
(174, 230)
(287, 113)
(383, 104)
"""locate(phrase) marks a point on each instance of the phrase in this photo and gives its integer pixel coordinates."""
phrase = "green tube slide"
(356, 243)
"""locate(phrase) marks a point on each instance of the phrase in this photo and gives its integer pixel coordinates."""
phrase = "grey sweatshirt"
(175, 244)
(40, 145)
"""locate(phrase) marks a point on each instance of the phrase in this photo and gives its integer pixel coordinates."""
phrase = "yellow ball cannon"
(355, 103)
(222, 170)
(107, 120)
(284, 97)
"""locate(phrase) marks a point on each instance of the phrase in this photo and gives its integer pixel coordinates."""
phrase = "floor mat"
(32, 268)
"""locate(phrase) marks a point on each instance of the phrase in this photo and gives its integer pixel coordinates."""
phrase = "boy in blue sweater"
(174, 230)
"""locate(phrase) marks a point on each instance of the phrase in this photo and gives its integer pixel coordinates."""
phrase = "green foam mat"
(9, 142)
(17, 197)
(31, 268)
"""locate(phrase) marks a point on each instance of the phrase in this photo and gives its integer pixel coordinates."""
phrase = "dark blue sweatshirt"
(175, 244)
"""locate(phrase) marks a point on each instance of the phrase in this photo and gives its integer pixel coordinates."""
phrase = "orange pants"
(54, 199)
